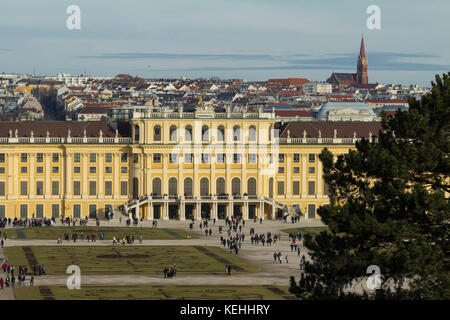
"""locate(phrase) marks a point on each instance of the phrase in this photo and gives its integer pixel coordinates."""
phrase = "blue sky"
(248, 39)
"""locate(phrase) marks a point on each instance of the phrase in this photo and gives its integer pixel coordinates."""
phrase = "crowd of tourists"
(9, 278)
(170, 272)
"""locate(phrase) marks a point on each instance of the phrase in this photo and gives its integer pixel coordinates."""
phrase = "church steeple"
(362, 76)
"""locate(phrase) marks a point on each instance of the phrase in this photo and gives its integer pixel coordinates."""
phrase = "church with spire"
(361, 76)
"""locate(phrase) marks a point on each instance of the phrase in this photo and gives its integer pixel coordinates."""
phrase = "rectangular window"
(76, 157)
(157, 158)
(39, 188)
(251, 158)
(312, 158)
(77, 210)
(2, 158)
(92, 157)
(173, 158)
(108, 169)
(326, 190)
(296, 170)
(280, 169)
(2, 188)
(281, 158)
(220, 157)
(23, 211)
(108, 188)
(280, 188)
(188, 157)
(296, 188)
(205, 158)
(55, 210)
(40, 169)
(124, 157)
(55, 188)
(92, 188)
(23, 169)
(123, 169)
(135, 158)
(55, 169)
(39, 211)
(23, 188)
(311, 188)
(296, 157)
(123, 188)
(55, 157)
(108, 157)
(92, 169)
(76, 188)
(2, 211)
(76, 169)
(23, 157)
(236, 158)
(270, 158)
(92, 211)
(2, 170)
(312, 170)
(40, 157)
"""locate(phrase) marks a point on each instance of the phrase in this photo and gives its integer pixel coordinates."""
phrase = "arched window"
(236, 133)
(173, 190)
(205, 133)
(220, 133)
(136, 133)
(220, 186)
(173, 133)
(157, 133)
(204, 187)
(156, 186)
(252, 134)
(188, 133)
(251, 185)
(188, 187)
(271, 188)
(236, 186)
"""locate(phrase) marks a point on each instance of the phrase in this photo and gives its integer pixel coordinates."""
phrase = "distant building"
(316, 87)
(346, 111)
(361, 76)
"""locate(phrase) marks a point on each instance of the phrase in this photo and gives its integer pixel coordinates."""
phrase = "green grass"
(156, 292)
(137, 259)
(46, 233)
(309, 230)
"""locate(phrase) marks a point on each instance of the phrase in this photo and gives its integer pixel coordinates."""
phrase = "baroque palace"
(170, 164)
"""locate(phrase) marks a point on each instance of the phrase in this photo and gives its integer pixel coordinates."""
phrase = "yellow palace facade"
(170, 165)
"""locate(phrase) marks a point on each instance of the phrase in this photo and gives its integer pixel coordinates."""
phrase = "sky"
(246, 39)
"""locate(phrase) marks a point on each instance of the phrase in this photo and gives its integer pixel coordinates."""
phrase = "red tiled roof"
(289, 81)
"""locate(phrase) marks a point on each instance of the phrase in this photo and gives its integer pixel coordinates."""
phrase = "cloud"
(378, 61)
(5, 50)
(177, 56)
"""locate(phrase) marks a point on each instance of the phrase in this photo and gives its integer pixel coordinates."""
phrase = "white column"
(84, 176)
(319, 179)
(116, 175)
(288, 176)
(304, 190)
(32, 192)
(261, 210)
(246, 210)
(47, 175)
(101, 183)
(68, 178)
(182, 211)
(149, 210)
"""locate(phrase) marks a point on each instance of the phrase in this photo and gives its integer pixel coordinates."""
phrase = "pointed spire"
(362, 50)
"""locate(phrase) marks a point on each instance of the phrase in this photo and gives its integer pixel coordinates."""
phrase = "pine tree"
(389, 207)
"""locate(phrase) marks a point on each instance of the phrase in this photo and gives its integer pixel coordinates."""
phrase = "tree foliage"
(389, 207)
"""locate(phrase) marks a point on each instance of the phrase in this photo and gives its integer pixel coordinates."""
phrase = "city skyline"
(224, 39)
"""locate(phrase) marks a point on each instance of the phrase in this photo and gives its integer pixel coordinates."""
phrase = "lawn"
(309, 230)
(121, 260)
(46, 233)
(155, 293)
